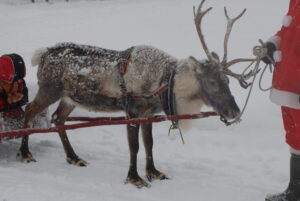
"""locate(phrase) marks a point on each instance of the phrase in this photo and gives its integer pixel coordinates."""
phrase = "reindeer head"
(212, 73)
(214, 87)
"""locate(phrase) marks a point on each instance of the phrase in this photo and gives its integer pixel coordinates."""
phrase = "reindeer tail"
(37, 56)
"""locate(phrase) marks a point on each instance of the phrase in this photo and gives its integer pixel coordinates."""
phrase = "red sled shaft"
(103, 121)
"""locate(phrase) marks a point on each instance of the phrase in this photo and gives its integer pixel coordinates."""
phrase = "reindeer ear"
(215, 56)
(193, 61)
(195, 64)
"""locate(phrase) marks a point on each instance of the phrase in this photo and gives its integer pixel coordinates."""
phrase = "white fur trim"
(37, 55)
(295, 151)
(287, 21)
(277, 55)
(284, 98)
(275, 40)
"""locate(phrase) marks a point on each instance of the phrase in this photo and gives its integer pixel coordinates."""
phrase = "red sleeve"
(279, 33)
(292, 5)
(277, 37)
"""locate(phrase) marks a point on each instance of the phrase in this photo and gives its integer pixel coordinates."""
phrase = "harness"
(167, 97)
(165, 92)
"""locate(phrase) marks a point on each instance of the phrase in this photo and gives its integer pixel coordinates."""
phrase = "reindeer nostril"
(230, 113)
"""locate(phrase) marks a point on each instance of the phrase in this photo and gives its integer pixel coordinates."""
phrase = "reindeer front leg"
(133, 142)
(151, 171)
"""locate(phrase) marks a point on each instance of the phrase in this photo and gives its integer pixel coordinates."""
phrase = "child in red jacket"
(14, 94)
(284, 47)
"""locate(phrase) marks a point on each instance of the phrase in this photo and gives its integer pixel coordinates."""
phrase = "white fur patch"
(186, 83)
(287, 21)
(277, 56)
(295, 151)
(186, 86)
(185, 106)
(284, 98)
(84, 71)
(275, 40)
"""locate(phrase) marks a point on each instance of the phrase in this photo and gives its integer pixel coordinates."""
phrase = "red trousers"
(291, 121)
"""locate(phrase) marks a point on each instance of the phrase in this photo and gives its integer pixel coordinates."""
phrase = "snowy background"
(243, 162)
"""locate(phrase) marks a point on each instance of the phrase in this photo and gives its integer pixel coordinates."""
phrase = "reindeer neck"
(185, 82)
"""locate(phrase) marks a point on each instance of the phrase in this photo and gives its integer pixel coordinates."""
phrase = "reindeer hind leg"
(46, 96)
(58, 118)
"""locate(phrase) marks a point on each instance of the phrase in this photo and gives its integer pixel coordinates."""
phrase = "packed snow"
(242, 162)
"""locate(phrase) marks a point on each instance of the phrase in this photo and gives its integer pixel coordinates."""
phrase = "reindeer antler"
(198, 16)
(240, 77)
(230, 23)
(224, 65)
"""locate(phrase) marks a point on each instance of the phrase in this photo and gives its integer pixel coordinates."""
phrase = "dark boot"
(292, 193)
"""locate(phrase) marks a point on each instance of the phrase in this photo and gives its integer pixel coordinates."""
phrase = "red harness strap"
(13, 113)
(123, 68)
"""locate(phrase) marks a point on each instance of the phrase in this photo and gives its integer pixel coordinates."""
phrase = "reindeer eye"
(212, 83)
(225, 79)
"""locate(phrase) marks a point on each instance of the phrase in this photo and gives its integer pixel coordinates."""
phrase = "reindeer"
(141, 81)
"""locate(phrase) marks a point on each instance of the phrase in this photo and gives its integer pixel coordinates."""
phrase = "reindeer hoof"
(25, 157)
(139, 182)
(156, 175)
(78, 162)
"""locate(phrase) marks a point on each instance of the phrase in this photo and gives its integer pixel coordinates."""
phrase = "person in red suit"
(284, 48)
(14, 95)
(13, 91)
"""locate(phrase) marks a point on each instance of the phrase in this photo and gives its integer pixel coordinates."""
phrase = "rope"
(172, 107)
(259, 52)
(261, 76)
(174, 127)
(238, 118)
(264, 53)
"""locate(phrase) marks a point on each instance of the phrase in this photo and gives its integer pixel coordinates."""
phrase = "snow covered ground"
(243, 162)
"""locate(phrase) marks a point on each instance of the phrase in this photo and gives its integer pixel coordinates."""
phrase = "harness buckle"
(123, 68)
